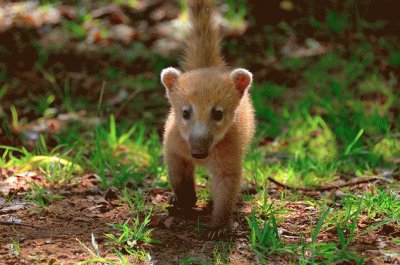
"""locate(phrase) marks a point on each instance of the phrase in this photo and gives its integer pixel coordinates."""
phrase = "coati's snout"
(200, 141)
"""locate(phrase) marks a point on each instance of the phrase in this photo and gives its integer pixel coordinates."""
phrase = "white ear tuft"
(242, 79)
(169, 77)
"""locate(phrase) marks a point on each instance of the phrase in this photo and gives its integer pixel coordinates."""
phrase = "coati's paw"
(218, 232)
(181, 204)
(173, 200)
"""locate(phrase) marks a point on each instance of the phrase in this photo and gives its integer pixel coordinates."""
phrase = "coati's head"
(204, 103)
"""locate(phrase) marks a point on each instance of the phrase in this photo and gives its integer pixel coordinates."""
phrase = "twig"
(391, 135)
(21, 224)
(325, 188)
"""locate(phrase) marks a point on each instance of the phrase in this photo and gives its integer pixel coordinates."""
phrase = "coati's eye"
(186, 114)
(217, 114)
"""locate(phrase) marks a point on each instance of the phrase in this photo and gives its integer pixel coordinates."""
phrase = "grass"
(97, 258)
(378, 204)
(221, 252)
(41, 195)
(236, 12)
(135, 199)
(380, 208)
(15, 248)
(265, 239)
(131, 238)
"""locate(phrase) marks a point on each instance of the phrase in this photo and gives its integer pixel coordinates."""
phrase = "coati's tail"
(203, 43)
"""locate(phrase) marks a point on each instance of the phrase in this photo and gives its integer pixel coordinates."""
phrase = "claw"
(217, 233)
(221, 232)
(211, 235)
(173, 200)
(183, 222)
(179, 204)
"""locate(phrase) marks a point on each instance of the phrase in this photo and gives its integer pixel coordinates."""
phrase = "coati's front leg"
(225, 186)
(181, 177)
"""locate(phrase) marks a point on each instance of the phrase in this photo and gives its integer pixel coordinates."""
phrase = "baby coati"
(211, 121)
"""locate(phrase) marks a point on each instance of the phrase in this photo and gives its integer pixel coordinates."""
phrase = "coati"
(211, 120)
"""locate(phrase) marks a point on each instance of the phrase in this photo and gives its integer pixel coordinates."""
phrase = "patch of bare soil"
(48, 235)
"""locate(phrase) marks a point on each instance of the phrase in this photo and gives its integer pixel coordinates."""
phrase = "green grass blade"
(350, 146)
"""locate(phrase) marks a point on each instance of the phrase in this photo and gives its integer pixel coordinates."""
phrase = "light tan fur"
(207, 85)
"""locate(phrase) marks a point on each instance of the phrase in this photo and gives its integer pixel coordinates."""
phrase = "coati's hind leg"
(225, 188)
(181, 177)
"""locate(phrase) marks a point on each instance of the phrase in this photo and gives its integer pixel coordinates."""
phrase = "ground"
(62, 232)
(82, 178)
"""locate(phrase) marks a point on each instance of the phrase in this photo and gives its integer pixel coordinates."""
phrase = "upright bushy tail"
(203, 43)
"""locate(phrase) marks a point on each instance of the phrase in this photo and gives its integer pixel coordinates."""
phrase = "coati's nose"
(199, 155)
(200, 140)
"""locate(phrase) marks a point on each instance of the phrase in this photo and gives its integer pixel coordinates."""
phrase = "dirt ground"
(52, 235)
(55, 234)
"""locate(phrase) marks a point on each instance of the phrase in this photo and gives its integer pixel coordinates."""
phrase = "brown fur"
(203, 43)
(206, 85)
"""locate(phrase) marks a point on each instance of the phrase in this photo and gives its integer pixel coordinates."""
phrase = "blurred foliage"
(87, 73)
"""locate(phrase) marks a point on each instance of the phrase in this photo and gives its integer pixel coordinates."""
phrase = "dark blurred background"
(69, 62)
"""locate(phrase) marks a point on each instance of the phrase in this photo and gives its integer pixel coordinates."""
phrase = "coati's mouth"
(199, 155)
(200, 146)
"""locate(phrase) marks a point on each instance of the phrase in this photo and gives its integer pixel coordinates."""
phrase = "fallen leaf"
(42, 161)
(16, 207)
(184, 237)
(156, 219)
(168, 222)
(158, 199)
(111, 195)
(14, 220)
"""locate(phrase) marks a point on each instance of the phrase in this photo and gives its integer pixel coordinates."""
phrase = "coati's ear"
(242, 79)
(169, 77)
